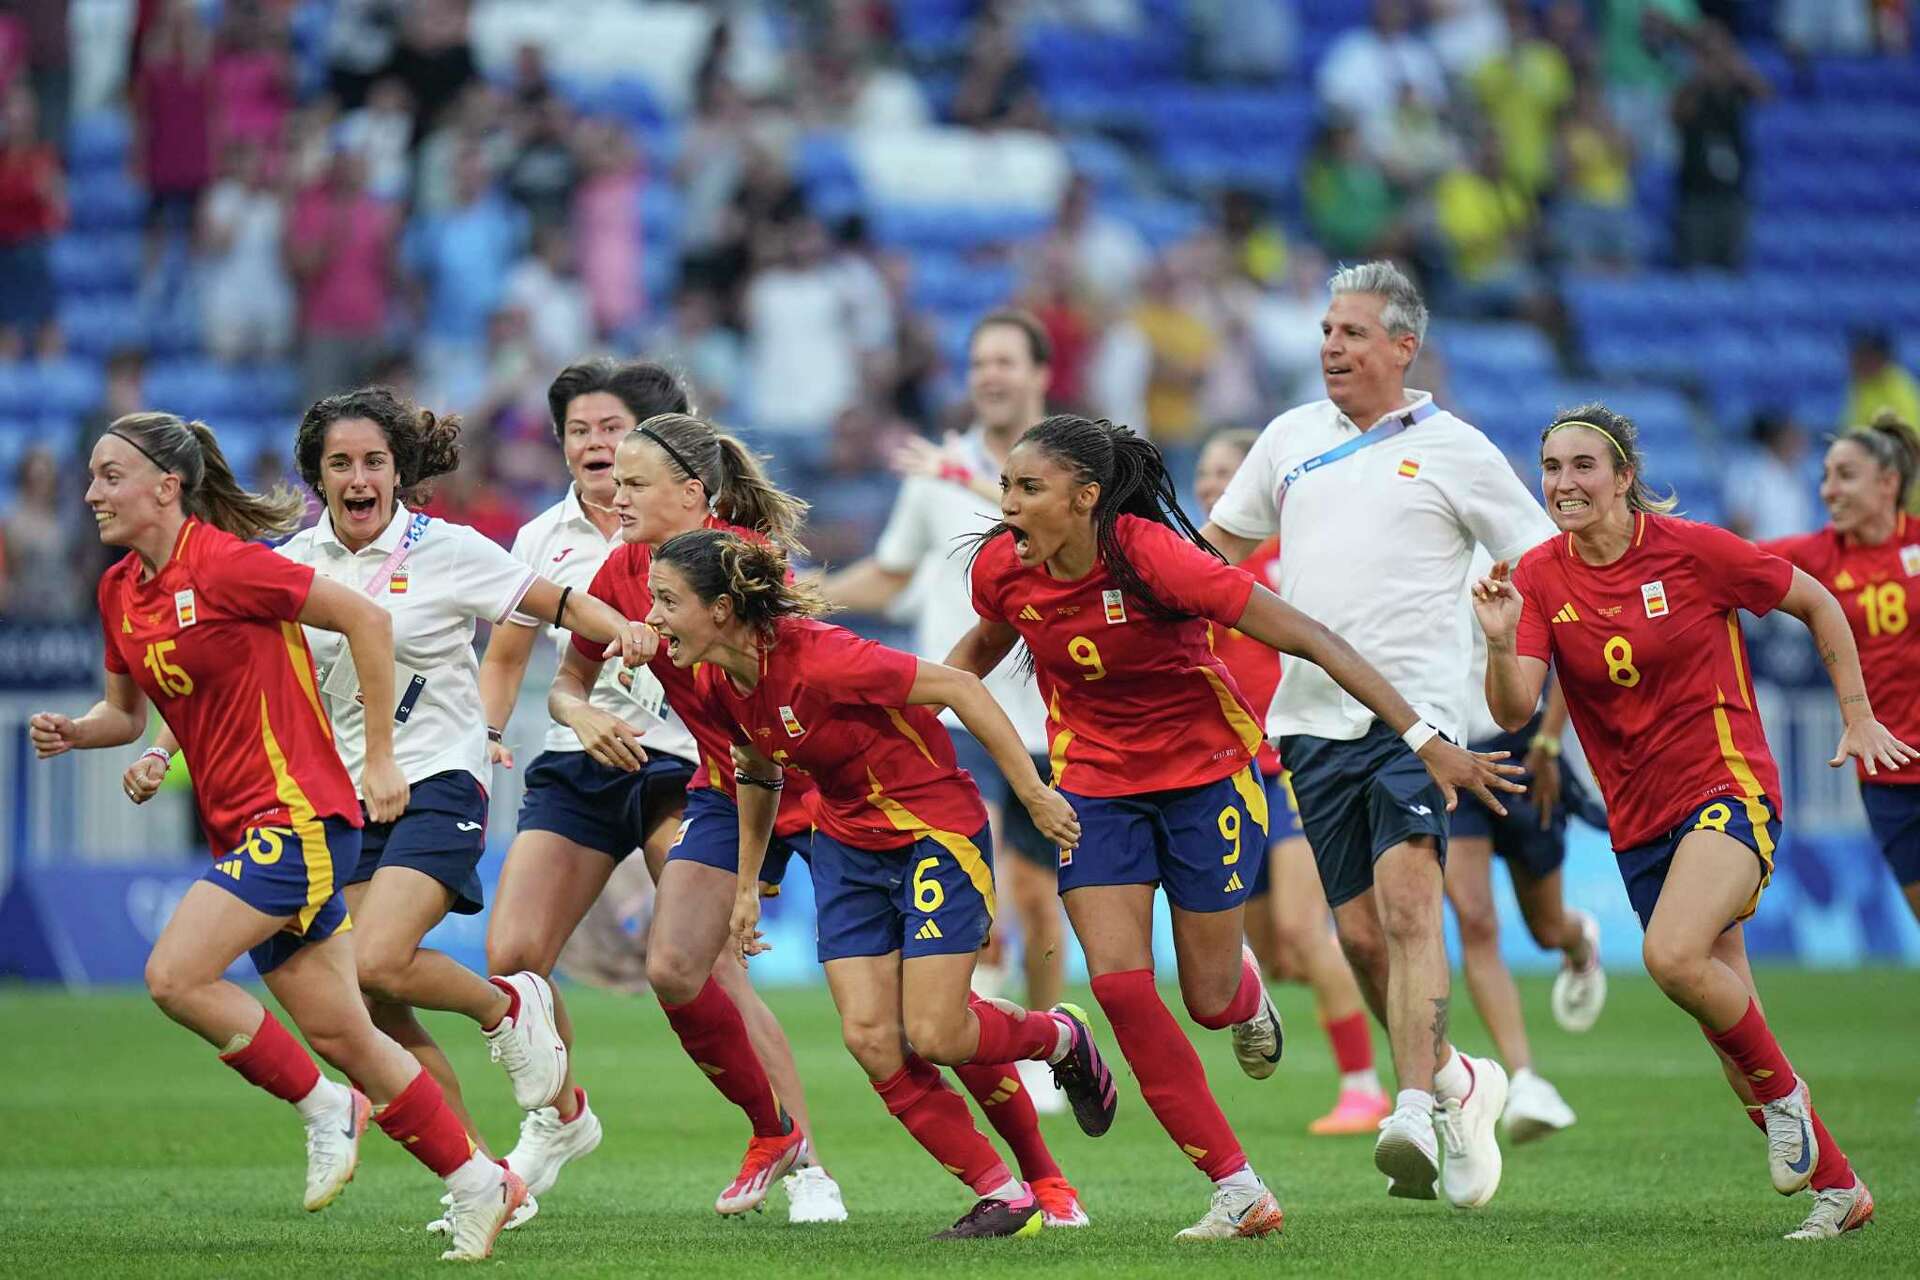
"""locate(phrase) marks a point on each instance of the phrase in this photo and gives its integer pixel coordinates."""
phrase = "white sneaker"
(1470, 1149)
(1257, 1041)
(547, 1142)
(1792, 1150)
(1238, 1214)
(1836, 1211)
(1408, 1153)
(1580, 994)
(443, 1225)
(1534, 1109)
(1037, 1077)
(813, 1196)
(333, 1147)
(529, 1045)
(478, 1220)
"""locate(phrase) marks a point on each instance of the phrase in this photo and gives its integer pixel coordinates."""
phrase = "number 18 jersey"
(1655, 669)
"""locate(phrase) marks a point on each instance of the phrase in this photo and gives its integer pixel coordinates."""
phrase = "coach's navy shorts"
(291, 871)
(1893, 811)
(1752, 822)
(1016, 824)
(1358, 799)
(933, 897)
(571, 794)
(1205, 845)
(1517, 837)
(1283, 823)
(442, 834)
(710, 835)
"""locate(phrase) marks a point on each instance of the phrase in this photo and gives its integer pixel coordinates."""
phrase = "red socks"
(715, 1037)
(420, 1121)
(1352, 1041)
(1751, 1047)
(1169, 1071)
(938, 1119)
(1245, 1002)
(513, 1002)
(1832, 1169)
(1009, 1109)
(274, 1061)
(1012, 1037)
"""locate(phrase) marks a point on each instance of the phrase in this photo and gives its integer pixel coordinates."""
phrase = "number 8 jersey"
(1655, 669)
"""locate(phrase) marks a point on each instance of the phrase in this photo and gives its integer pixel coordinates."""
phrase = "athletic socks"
(513, 1002)
(1750, 1045)
(1171, 1078)
(714, 1035)
(938, 1119)
(1352, 1042)
(1015, 1036)
(1009, 1109)
(273, 1060)
(419, 1120)
(1245, 1002)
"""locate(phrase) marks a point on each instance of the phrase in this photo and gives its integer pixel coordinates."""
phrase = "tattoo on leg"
(1439, 1031)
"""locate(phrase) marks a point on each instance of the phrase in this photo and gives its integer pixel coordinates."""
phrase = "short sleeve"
(1797, 549)
(116, 662)
(1184, 576)
(250, 580)
(1248, 509)
(1495, 507)
(490, 581)
(605, 586)
(983, 575)
(907, 539)
(1533, 638)
(1738, 573)
(841, 663)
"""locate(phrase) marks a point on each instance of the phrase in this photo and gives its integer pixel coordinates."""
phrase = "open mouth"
(1022, 543)
(598, 467)
(359, 508)
(1571, 506)
(1338, 370)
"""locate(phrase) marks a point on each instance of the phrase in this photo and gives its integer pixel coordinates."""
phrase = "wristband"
(161, 754)
(560, 610)
(1419, 736)
(496, 735)
(956, 473)
(1546, 744)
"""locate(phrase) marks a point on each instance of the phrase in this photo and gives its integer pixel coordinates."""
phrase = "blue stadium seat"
(69, 386)
(97, 141)
(97, 262)
(106, 201)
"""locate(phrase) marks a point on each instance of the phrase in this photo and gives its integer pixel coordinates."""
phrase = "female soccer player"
(207, 626)
(1290, 930)
(1869, 557)
(1636, 612)
(1154, 745)
(901, 857)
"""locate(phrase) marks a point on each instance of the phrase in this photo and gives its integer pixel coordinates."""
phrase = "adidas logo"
(1031, 614)
(1567, 614)
(1234, 884)
(229, 867)
(927, 932)
(1007, 1088)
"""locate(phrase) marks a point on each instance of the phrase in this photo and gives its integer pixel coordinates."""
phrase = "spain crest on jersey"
(1654, 596)
(183, 610)
(1910, 559)
(791, 722)
(1115, 606)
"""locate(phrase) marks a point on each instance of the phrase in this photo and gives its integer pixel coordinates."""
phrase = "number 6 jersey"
(1655, 669)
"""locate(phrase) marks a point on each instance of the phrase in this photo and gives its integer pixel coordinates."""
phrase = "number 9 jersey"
(1655, 669)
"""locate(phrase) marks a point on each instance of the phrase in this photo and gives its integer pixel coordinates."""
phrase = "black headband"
(143, 449)
(671, 453)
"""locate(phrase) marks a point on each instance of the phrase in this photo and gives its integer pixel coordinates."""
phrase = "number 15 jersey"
(1655, 669)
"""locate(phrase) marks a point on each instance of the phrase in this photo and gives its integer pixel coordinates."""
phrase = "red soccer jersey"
(835, 707)
(1256, 668)
(212, 640)
(1134, 704)
(1650, 654)
(1879, 587)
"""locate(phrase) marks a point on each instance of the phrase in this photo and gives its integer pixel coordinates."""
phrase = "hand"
(143, 778)
(1053, 817)
(383, 788)
(1864, 740)
(634, 643)
(608, 739)
(499, 753)
(1477, 771)
(918, 456)
(744, 927)
(53, 734)
(1496, 603)
(1544, 786)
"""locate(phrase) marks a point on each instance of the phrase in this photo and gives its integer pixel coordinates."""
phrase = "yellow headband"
(1591, 426)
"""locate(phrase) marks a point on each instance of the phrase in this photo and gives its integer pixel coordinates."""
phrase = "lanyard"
(1385, 429)
(416, 529)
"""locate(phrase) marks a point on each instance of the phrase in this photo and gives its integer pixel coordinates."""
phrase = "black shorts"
(442, 834)
(1517, 837)
(571, 794)
(1017, 831)
(1358, 799)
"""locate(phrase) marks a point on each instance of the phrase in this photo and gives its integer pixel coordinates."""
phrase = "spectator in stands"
(1467, 34)
(1106, 256)
(1641, 46)
(381, 134)
(246, 292)
(173, 122)
(802, 368)
(359, 43)
(41, 577)
(461, 259)
(1226, 300)
(1286, 329)
(125, 392)
(1487, 224)
(1769, 490)
(1593, 221)
(1183, 346)
(1810, 27)
(1351, 207)
(996, 88)
(710, 352)
(1369, 70)
(480, 122)
(1255, 40)
(1521, 91)
(607, 227)
(547, 287)
(33, 205)
(1071, 326)
(252, 79)
(1879, 384)
(341, 245)
(433, 59)
(49, 61)
(1710, 110)
(543, 172)
(854, 263)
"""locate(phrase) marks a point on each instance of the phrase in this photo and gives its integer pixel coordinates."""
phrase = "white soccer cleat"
(1580, 994)
(333, 1147)
(1257, 1042)
(547, 1143)
(528, 1045)
(1238, 1214)
(1408, 1153)
(1534, 1109)
(1037, 1079)
(1792, 1150)
(1469, 1142)
(443, 1225)
(1836, 1211)
(813, 1196)
(478, 1220)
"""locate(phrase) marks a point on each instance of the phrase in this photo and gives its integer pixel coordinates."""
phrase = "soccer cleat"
(1357, 1111)
(1408, 1153)
(443, 1225)
(1083, 1076)
(1238, 1213)
(1836, 1211)
(1038, 1082)
(1580, 994)
(993, 1218)
(333, 1147)
(766, 1160)
(1792, 1150)
(1534, 1109)
(1469, 1145)
(528, 1044)
(1059, 1203)
(1258, 1041)
(547, 1143)
(477, 1222)
(813, 1196)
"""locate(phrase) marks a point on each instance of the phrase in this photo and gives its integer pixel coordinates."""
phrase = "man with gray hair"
(1379, 497)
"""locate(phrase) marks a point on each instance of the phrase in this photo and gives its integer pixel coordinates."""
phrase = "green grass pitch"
(129, 1151)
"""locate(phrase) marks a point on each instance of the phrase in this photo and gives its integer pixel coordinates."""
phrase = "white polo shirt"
(926, 536)
(1376, 546)
(563, 546)
(451, 577)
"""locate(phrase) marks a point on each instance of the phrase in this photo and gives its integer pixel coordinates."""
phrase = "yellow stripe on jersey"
(306, 825)
(1751, 792)
(1237, 718)
(302, 659)
(1739, 667)
(1057, 750)
(1252, 795)
(714, 779)
(964, 851)
(900, 723)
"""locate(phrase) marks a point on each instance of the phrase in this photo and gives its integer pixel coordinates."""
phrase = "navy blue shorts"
(710, 835)
(1283, 823)
(1017, 831)
(442, 834)
(291, 871)
(1517, 837)
(933, 897)
(1893, 811)
(1752, 822)
(1205, 845)
(571, 794)
(1358, 799)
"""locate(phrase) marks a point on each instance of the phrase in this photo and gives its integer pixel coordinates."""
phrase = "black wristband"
(744, 778)
(496, 735)
(560, 610)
